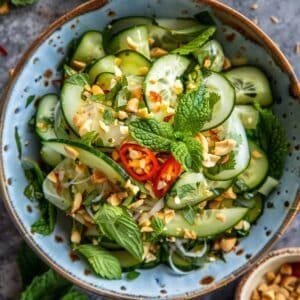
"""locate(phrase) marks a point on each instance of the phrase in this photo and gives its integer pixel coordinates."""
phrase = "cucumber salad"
(156, 148)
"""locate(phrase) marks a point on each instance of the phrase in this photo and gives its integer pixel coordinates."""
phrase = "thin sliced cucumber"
(268, 186)
(248, 115)
(219, 185)
(232, 129)
(190, 189)
(213, 51)
(207, 224)
(44, 122)
(217, 84)
(61, 127)
(251, 85)
(89, 47)
(161, 79)
(105, 80)
(182, 263)
(254, 213)
(50, 157)
(91, 157)
(133, 63)
(127, 261)
(104, 64)
(132, 38)
(176, 23)
(257, 169)
(121, 24)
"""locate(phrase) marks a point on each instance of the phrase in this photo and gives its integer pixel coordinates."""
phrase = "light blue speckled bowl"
(32, 76)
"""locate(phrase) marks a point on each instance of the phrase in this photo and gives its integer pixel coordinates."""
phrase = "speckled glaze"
(32, 76)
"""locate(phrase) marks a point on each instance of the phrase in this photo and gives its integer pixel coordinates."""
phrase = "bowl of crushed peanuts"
(275, 277)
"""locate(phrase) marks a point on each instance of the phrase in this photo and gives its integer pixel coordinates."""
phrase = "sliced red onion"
(156, 207)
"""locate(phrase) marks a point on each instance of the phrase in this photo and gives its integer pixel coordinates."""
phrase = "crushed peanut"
(227, 244)
(77, 202)
(224, 147)
(71, 152)
(75, 236)
(229, 194)
(143, 71)
(157, 52)
(189, 234)
(256, 154)
(131, 43)
(226, 64)
(133, 105)
(297, 48)
(274, 19)
(254, 6)
(136, 204)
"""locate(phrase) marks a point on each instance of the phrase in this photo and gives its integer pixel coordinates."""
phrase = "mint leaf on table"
(29, 264)
(34, 191)
(196, 43)
(73, 294)
(102, 262)
(188, 153)
(47, 286)
(189, 214)
(193, 111)
(132, 275)
(273, 140)
(78, 79)
(29, 100)
(153, 134)
(23, 2)
(18, 142)
(116, 223)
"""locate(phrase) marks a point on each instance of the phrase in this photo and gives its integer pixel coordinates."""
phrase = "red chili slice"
(166, 176)
(140, 163)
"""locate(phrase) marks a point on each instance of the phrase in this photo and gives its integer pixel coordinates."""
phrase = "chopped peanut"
(77, 202)
(157, 52)
(227, 244)
(143, 71)
(118, 61)
(286, 269)
(75, 236)
(78, 65)
(96, 90)
(207, 63)
(98, 177)
(136, 204)
(132, 105)
(220, 217)
(229, 194)
(210, 160)
(189, 234)
(122, 115)
(227, 64)
(131, 43)
(71, 152)
(256, 154)
(224, 147)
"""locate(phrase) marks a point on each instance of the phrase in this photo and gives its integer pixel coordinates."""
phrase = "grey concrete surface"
(20, 28)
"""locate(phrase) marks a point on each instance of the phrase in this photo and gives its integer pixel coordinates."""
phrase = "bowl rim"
(284, 252)
(95, 5)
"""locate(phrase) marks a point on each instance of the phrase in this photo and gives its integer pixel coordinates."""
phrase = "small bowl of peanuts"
(274, 277)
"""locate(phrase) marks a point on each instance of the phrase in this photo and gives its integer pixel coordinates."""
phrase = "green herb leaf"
(158, 225)
(108, 116)
(78, 79)
(132, 275)
(46, 286)
(272, 138)
(29, 264)
(189, 214)
(23, 2)
(97, 98)
(92, 138)
(116, 223)
(18, 142)
(188, 153)
(73, 294)
(29, 100)
(193, 111)
(196, 43)
(68, 71)
(102, 262)
(186, 190)
(153, 134)
(46, 222)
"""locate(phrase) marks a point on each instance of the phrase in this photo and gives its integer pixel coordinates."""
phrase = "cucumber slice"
(219, 185)
(251, 85)
(176, 23)
(104, 80)
(61, 128)
(50, 157)
(89, 47)
(90, 157)
(133, 63)
(105, 64)
(207, 224)
(248, 115)
(214, 52)
(217, 84)
(257, 170)
(268, 186)
(134, 37)
(121, 24)
(233, 129)
(127, 261)
(182, 263)
(255, 212)
(161, 79)
(44, 122)
(190, 189)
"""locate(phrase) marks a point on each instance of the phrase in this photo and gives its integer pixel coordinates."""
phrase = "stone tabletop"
(21, 27)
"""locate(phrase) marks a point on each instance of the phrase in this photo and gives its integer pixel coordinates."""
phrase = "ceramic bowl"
(36, 74)
(271, 262)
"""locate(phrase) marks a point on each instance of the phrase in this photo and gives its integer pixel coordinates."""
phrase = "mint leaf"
(29, 100)
(46, 222)
(272, 138)
(196, 43)
(18, 142)
(189, 214)
(158, 225)
(116, 223)
(102, 262)
(132, 275)
(68, 71)
(193, 111)
(153, 134)
(97, 98)
(23, 2)
(73, 294)
(108, 116)
(78, 79)
(186, 190)
(188, 153)
(46, 286)
(29, 264)
(92, 138)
